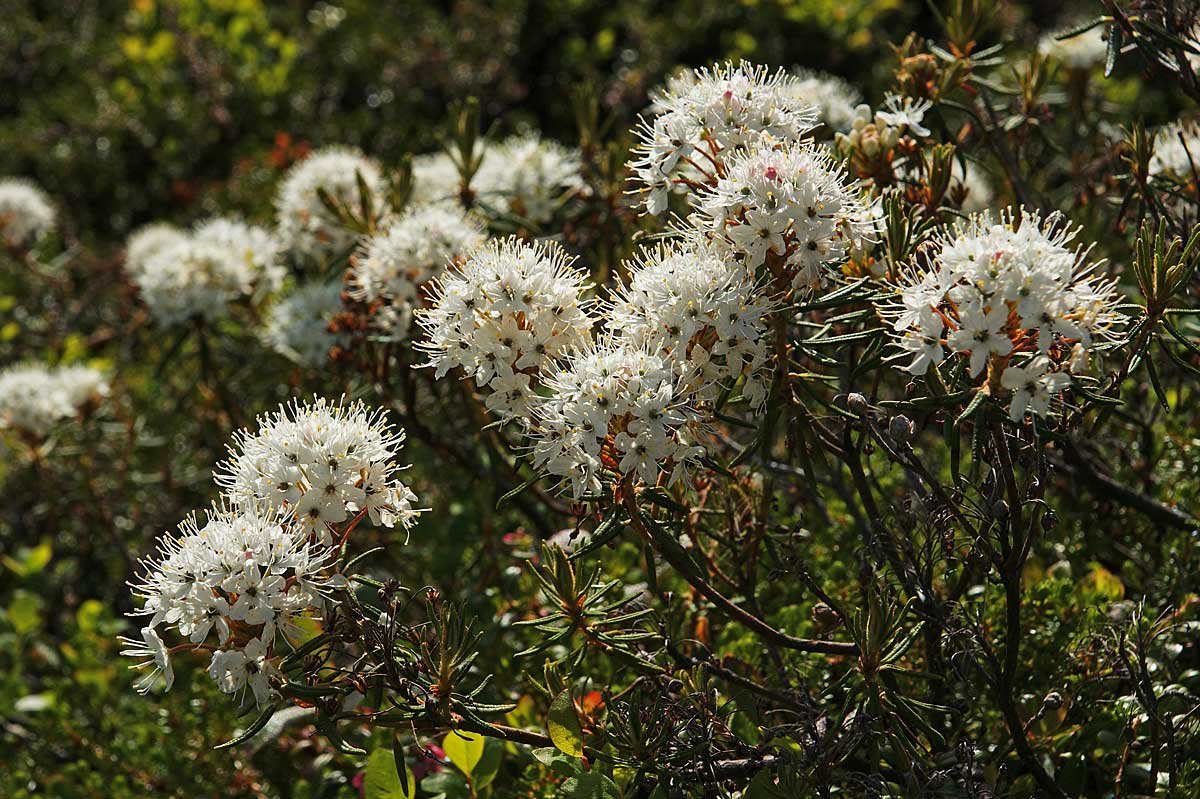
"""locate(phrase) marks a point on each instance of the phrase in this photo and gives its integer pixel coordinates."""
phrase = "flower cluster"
(191, 279)
(618, 408)
(307, 228)
(393, 267)
(1177, 151)
(789, 201)
(149, 240)
(321, 462)
(34, 398)
(237, 577)
(702, 122)
(256, 246)
(507, 312)
(1011, 296)
(435, 178)
(683, 301)
(1081, 52)
(834, 99)
(528, 176)
(298, 326)
(26, 213)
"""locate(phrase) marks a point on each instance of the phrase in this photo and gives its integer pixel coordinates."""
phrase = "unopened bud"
(1053, 700)
(857, 403)
(901, 429)
(1049, 520)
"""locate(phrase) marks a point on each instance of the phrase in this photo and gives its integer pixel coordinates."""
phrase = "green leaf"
(464, 750)
(557, 762)
(592, 785)
(25, 612)
(29, 561)
(446, 785)
(563, 725)
(250, 731)
(382, 779)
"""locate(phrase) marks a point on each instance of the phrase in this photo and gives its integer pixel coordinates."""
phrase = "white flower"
(790, 201)
(298, 325)
(904, 112)
(233, 569)
(394, 266)
(191, 279)
(1080, 52)
(305, 226)
(1177, 151)
(510, 307)
(684, 301)
(321, 462)
(435, 179)
(233, 670)
(34, 398)
(833, 98)
(1014, 294)
(147, 241)
(1034, 386)
(615, 408)
(254, 245)
(151, 652)
(699, 123)
(527, 176)
(26, 213)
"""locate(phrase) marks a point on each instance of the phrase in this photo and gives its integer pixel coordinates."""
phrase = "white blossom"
(238, 578)
(321, 462)
(254, 245)
(833, 97)
(1080, 52)
(149, 240)
(191, 279)
(619, 409)
(505, 314)
(528, 176)
(34, 398)
(788, 200)
(702, 122)
(1014, 297)
(394, 266)
(1177, 151)
(297, 326)
(26, 213)
(686, 302)
(306, 227)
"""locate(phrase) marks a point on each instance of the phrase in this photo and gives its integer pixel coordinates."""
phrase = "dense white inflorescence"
(395, 265)
(306, 227)
(435, 178)
(503, 316)
(34, 398)
(702, 122)
(254, 245)
(528, 176)
(297, 326)
(1177, 151)
(1014, 297)
(149, 240)
(790, 201)
(322, 463)
(1080, 52)
(834, 99)
(26, 213)
(684, 301)
(192, 279)
(237, 581)
(615, 408)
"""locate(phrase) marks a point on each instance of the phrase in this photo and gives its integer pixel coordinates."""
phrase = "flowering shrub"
(783, 435)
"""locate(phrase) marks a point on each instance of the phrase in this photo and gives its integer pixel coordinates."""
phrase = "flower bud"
(857, 403)
(901, 429)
